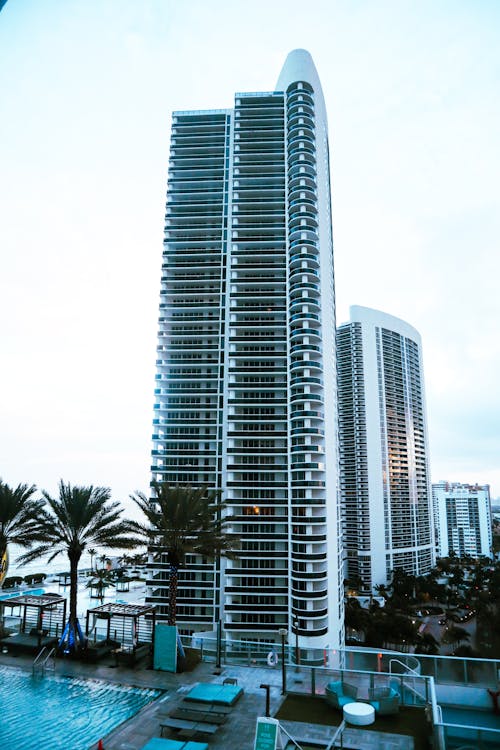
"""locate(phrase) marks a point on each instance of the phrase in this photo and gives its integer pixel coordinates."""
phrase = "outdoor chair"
(385, 700)
(337, 694)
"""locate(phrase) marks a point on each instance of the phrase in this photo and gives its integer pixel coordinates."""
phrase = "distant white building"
(384, 472)
(462, 517)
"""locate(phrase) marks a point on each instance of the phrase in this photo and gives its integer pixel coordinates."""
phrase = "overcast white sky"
(87, 88)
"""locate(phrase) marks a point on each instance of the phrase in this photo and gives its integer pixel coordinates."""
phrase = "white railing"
(338, 733)
(407, 668)
(41, 662)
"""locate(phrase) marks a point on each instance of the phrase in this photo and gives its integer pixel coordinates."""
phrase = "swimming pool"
(61, 712)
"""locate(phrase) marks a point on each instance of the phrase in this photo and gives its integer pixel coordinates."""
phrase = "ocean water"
(59, 565)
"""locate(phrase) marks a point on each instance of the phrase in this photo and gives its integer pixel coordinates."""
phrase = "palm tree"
(455, 635)
(356, 618)
(18, 511)
(427, 644)
(181, 520)
(79, 517)
(92, 553)
(100, 581)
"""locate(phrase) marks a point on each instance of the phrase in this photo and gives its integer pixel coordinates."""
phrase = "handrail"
(339, 731)
(43, 665)
(290, 737)
(408, 669)
(51, 654)
(38, 656)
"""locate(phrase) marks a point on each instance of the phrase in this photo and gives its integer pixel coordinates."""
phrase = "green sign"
(266, 734)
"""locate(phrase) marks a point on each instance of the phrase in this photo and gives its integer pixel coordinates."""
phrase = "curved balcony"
(299, 108)
(301, 121)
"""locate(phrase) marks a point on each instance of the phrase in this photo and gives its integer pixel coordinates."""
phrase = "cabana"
(129, 631)
(42, 620)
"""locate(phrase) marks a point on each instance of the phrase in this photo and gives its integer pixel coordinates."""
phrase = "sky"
(87, 89)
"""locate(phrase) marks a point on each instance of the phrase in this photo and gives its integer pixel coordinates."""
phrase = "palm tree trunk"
(4, 562)
(74, 558)
(172, 595)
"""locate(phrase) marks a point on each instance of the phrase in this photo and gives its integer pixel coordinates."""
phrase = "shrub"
(12, 581)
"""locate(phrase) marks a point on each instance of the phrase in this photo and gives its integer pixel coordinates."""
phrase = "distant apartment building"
(462, 517)
(246, 381)
(384, 472)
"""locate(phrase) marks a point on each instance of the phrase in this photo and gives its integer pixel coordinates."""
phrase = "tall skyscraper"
(384, 473)
(462, 516)
(246, 382)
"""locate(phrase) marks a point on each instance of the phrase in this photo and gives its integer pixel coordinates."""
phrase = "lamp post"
(297, 651)
(267, 688)
(283, 632)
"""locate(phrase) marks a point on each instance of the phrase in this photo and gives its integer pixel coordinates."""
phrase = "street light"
(297, 651)
(283, 632)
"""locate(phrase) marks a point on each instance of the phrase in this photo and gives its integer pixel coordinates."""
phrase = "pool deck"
(237, 733)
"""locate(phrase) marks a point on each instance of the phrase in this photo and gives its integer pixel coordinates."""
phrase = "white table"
(359, 714)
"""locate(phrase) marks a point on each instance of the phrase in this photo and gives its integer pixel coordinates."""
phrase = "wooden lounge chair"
(187, 728)
(198, 714)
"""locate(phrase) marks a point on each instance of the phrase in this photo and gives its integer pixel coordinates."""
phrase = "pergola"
(124, 624)
(118, 615)
(44, 614)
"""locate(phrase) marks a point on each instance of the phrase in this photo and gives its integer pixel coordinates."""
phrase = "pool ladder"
(45, 661)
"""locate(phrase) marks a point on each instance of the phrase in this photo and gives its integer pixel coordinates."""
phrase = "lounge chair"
(384, 700)
(160, 743)
(337, 694)
(206, 692)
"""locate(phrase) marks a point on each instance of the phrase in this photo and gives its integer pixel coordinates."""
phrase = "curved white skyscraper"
(246, 381)
(384, 470)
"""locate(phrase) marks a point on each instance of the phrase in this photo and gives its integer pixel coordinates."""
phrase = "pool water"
(20, 592)
(62, 712)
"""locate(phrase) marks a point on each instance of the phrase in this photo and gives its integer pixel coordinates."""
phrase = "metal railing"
(45, 660)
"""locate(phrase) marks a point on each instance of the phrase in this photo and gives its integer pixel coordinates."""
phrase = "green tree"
(427, 644)
(356, 618)
(68, 524)
(18, 513)
(100, 581)
(455, 635)
(181, 520)
(92, 553)
(403, 587)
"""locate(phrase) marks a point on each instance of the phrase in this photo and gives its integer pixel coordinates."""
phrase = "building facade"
(246, 383)
(384, 472)
(463, 521)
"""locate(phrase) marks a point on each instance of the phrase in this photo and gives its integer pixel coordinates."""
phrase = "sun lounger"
(213, 708)
(188, 728)
(197, 714)
(159, 743)
(207, 692)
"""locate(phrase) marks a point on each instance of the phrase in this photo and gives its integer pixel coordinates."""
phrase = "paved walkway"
(237, 733)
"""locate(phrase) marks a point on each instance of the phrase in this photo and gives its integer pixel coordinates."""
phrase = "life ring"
(272, 658)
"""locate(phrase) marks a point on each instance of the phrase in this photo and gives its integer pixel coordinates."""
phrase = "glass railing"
(368, 670)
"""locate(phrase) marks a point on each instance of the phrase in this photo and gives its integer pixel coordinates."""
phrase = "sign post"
(267, 734)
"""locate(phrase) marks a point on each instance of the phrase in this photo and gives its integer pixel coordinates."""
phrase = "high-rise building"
(462, 517)
(384, 473)
(246, 381)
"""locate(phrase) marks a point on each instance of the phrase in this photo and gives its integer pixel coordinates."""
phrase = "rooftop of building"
(238, 732)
